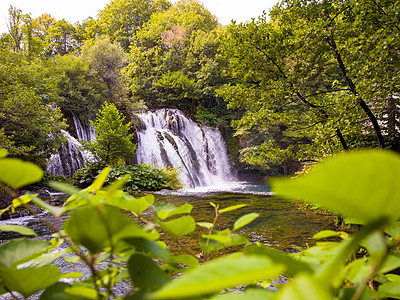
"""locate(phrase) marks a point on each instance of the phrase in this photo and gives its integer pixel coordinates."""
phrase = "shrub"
(142, 177)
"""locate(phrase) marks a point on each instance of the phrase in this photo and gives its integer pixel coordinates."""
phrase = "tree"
(106, 61)
(113, 143)
(121, 19)
(79, 91)
(173, 62)
(303, 72)
(15, 27)
(29, 123)
(61, 38)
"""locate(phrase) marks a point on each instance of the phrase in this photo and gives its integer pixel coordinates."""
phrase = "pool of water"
(281, 224)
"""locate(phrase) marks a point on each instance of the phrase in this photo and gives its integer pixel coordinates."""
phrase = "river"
(282, 223)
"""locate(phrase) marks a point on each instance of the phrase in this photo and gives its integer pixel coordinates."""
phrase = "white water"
(198, 152)
(85, 133)
(70, 158)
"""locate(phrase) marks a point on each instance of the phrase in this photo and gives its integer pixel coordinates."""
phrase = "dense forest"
(307, 80)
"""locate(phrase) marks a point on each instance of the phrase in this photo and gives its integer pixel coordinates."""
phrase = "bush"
(142, 177)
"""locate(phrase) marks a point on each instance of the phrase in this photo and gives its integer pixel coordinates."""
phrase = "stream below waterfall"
(281, 224)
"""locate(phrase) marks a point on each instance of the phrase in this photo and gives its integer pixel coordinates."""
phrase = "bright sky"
(78, 10)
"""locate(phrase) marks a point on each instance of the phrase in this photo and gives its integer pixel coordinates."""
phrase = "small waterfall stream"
(70, 158)
(170, 139)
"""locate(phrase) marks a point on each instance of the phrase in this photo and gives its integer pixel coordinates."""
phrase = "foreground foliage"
(102, 234)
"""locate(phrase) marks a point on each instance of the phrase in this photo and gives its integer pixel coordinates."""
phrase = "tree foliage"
(78, 89)
(113, 144)
(106, 61)
(304, 82)
(121, 19)
(29, 123)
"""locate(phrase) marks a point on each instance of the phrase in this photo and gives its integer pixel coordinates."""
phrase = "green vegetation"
(361, 186)
(141, 177)
(113, 143)
(29, 125)
(307, 81)
(318, 78)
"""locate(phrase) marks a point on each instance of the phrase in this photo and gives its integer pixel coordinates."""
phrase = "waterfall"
(85, 133)
(69, 158)
(172, 140)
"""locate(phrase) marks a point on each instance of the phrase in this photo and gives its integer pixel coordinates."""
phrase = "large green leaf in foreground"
(363, 185)
(17, 173)
(217, 275)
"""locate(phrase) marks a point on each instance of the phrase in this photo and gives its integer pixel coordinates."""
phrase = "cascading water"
(70, 158)
(172, 140)
(85, 133)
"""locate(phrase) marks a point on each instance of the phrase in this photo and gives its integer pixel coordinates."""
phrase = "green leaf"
(217, 237)
(137, 205)
(149, 246)
(145, 273)
(180, 226)
(18, 251)
(187, 260)
(3, 153)
(26, 281)
(304, 287)
(81, 292)
(57, 291)
(329, 233)
(244, 220)
(221, 239)
(17, 173)
(18, 228)
(332, 270)
(357, 270)
(230, 208)
(250, 293)
(390, 290)
(168, 211)
(53, 210)
(159, 206)
(100, 179)
(393, 229)
(220, 274)
(293, 266)
(392, 262)
(118, 184)
(21, 200)
(63, 187)
(207, 225)
(363, 185)
(102, 226)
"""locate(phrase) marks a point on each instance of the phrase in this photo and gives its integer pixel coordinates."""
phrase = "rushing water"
(170, 139)
(70, 158)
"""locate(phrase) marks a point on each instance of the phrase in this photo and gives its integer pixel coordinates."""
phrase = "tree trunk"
(351, 85)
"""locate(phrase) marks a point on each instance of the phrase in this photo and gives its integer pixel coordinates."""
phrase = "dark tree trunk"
(351, 85)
